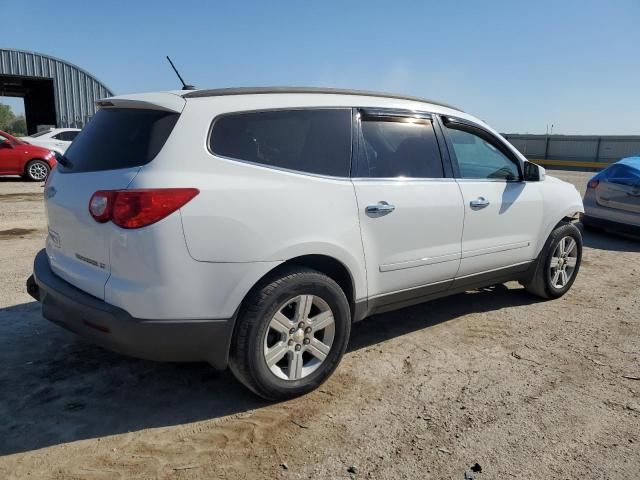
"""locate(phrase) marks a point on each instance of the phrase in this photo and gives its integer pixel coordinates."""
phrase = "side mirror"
(533, 172)
(6, 144)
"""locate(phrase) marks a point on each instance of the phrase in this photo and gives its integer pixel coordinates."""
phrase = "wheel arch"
(329, 265)
(567, 214)
(326, 264)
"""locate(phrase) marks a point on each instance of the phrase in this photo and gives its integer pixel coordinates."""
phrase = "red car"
(20, 158)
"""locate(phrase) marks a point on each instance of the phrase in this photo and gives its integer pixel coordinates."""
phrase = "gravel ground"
(523, 388)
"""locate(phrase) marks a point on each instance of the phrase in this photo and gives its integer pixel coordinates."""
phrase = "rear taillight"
(138, 208)
(593, 183)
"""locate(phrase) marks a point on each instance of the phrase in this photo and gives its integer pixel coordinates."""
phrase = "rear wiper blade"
(64, 161)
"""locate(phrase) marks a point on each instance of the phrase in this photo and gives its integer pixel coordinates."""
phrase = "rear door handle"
(379, 209)
(479, 203)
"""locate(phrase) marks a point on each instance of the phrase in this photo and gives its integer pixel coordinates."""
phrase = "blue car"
(612, 199)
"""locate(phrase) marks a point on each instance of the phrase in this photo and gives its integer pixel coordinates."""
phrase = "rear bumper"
(114, 329)
(610, 225)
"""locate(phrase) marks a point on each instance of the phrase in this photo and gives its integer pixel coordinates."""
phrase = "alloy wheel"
(563, 262)
(299, 337)
(38, 171)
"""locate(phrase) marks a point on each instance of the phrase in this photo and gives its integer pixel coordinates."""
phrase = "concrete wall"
(577, 148)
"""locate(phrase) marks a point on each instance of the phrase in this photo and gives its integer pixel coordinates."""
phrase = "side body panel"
(248, 213)
(504, 233)
(12, 160)
(593, 209)
(419, 242)
(559, 200)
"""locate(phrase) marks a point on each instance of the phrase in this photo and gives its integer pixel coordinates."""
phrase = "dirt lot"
(526, 389)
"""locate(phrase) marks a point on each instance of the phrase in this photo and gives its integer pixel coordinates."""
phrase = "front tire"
(558, 263)
(37, 170)
(291, 334)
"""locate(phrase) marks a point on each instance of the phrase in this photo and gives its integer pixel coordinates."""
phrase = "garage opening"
(38, 96)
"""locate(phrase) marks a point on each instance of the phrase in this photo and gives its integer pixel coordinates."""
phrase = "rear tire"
(558, 263)
(291, 334)
(37, 170)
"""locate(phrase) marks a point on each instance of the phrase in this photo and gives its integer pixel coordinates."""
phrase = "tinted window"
(120, 138)
(314, 141)
(399, 149)
(66, 136)
(70, 135)
(478, 158)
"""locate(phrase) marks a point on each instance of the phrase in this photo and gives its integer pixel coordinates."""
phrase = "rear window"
(120, 138)
(314, 140)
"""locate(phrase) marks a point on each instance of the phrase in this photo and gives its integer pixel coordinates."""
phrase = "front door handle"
(479, 203)
(379, 209)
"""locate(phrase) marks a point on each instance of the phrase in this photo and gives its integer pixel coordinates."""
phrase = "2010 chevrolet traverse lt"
(250, 227)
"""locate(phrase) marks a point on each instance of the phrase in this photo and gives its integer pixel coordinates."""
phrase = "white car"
(56, 139)
(251, 227)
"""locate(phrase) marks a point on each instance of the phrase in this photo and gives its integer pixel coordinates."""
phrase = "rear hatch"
(618, 196)
(107, 155)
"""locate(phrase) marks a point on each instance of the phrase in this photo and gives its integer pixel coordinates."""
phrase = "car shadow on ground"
(15, 179)
(56, 388)
(601, 240)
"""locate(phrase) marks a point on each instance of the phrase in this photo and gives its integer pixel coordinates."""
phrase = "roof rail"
(220, 92)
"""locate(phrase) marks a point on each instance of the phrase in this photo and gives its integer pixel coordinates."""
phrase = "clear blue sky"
(519, 65)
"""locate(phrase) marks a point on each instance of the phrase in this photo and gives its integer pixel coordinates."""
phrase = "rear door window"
(399, 147)
(120, 138)
(308, 140)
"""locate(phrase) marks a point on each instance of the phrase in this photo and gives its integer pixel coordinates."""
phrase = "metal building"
(55, 92)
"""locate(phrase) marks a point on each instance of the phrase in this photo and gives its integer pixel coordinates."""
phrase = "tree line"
(12, 123)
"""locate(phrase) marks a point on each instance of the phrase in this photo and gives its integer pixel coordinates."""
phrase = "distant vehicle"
(56, 139)
(612, 199)
(250, 227)
(20, 158)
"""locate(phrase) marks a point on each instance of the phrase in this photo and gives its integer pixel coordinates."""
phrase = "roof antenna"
(184, 85)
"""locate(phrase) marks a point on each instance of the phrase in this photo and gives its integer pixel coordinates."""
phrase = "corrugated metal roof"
(75, 90)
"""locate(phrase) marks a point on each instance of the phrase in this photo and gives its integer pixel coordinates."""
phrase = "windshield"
(120, 138)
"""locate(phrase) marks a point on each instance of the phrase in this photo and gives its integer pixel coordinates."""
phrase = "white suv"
(251, 227)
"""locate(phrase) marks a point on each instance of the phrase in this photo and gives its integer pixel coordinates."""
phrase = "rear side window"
(313, 141)
(399, 148)
(120, 138)
(67, 136)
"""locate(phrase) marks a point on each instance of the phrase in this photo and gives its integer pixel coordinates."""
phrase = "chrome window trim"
(501, 180)
(391, 113)
(404, 179)
(280, 169)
